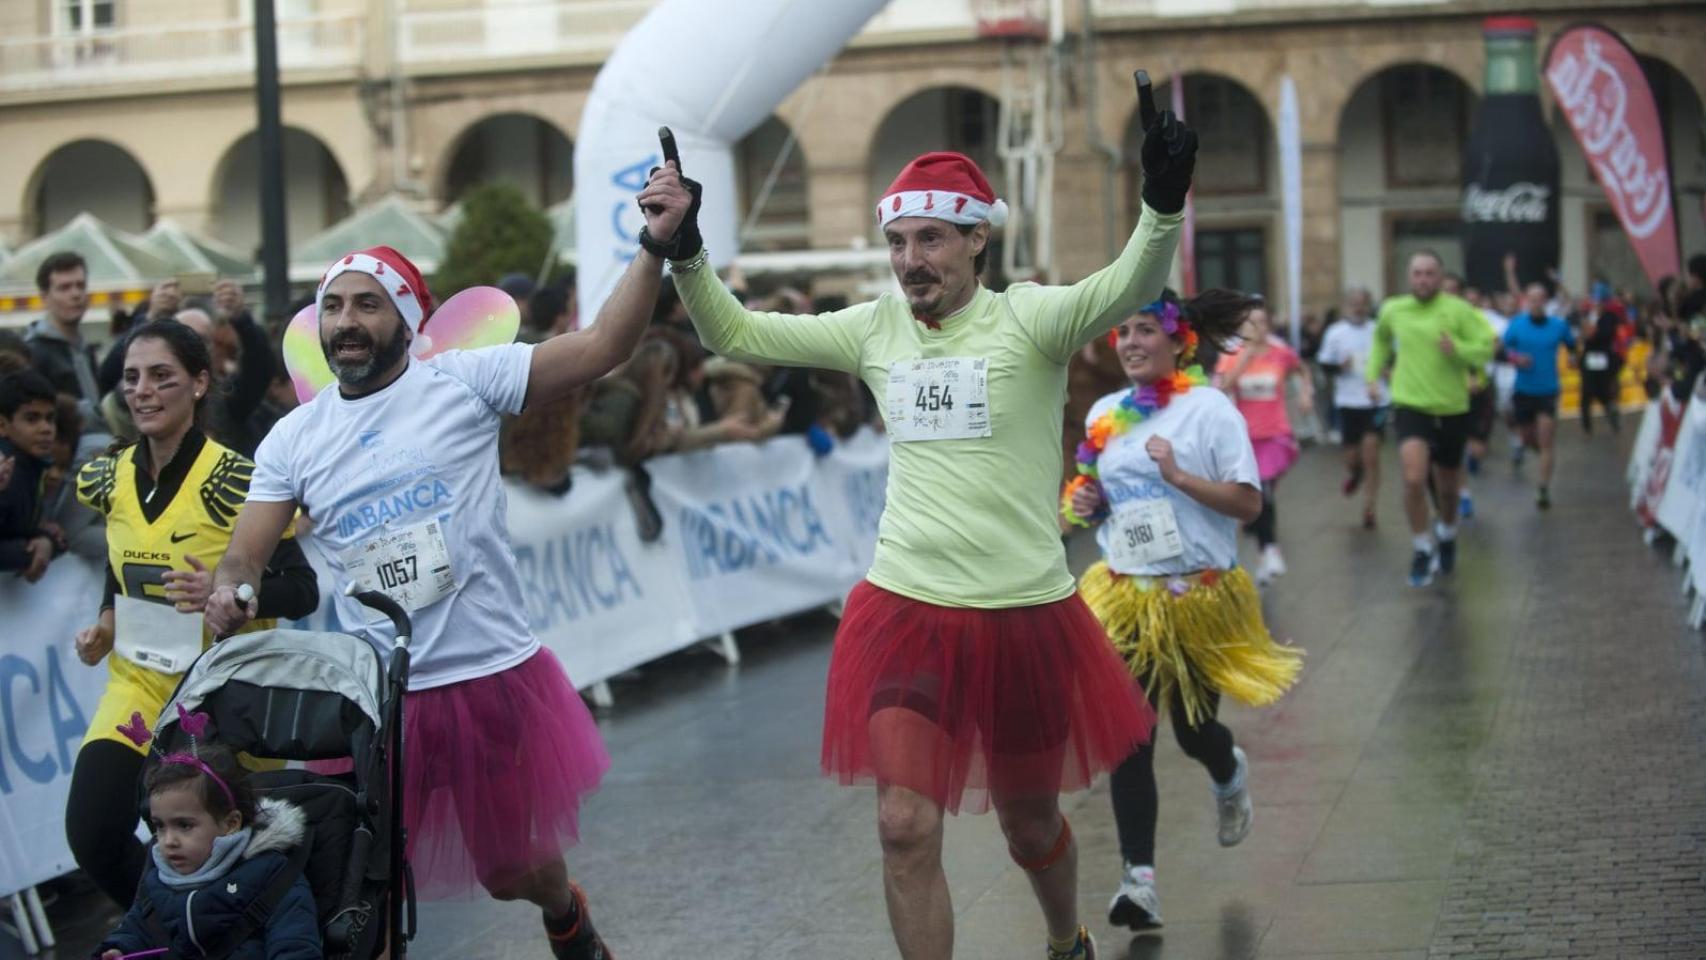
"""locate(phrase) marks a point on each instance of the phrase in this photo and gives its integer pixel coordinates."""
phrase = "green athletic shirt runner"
(969, 521)
(1424, 378)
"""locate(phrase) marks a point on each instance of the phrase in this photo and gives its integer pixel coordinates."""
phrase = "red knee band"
(1047, 860)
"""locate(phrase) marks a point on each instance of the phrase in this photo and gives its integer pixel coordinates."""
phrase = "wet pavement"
(1508, 764)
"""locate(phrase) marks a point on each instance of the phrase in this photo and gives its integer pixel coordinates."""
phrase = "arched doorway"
(1594, 246)
(316, 193)
(517, 148)
(770, 169)
(92, 176)
(1236, 182)
(962, 119)
(1401, 141)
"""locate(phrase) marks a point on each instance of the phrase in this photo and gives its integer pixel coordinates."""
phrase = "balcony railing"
(1201, 8)
(198, 50)
(517, 28)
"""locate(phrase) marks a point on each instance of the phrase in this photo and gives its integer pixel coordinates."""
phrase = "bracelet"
(691, 263)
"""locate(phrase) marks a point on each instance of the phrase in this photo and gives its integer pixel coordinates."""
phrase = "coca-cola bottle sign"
(1517, 203)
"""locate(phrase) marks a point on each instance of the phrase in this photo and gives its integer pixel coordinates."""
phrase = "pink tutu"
(496, 768)
(1274, 456)
(971, 706)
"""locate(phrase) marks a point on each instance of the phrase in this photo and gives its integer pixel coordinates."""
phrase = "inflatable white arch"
(710, 70)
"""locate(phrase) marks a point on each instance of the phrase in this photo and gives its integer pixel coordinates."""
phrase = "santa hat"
(944, 186)
(402, 281)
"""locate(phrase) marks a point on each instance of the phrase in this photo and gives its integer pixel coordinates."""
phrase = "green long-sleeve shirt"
(968, 522)
(1424, 377)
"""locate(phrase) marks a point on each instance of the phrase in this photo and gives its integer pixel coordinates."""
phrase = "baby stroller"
(299, 695)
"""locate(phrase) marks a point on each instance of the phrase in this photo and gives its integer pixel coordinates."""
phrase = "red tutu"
(495, 771)
(970, 706)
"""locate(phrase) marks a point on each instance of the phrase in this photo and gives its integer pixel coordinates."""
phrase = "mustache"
(357, 338)
(920, 275)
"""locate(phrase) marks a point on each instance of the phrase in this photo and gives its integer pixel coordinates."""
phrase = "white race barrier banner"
(599, 598)
(751, 533)
(1641, 455)
(47, 696)
(1686, 486)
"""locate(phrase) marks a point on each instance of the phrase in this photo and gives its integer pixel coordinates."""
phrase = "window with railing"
(84, 16)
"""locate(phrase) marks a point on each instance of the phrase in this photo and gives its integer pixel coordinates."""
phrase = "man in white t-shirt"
(1362, 406)
(397, 466)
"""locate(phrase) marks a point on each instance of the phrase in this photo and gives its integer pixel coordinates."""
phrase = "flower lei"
(1138, 405)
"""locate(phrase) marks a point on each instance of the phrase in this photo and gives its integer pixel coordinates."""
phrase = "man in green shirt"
(1438, 340)
(967, 674)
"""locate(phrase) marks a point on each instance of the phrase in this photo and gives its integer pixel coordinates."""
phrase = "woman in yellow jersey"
(170, 501)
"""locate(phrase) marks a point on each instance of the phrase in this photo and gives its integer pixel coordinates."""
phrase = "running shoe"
(1544, 500)
(1474, 464)
(1274, 560)
(1353, 480)
(1447, 556)
(581, 941)
(1422, 565)
(1465, 506)
(1368, 520)
(1084, 949)
(1233, 803)
(1136, 906)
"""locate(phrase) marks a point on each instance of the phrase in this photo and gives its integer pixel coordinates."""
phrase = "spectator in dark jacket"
(56, 340)
(27, 429)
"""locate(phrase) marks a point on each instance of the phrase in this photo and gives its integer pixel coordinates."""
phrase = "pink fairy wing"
(476, 317)
(303, 355)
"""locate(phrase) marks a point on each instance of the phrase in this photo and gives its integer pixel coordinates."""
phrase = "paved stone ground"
(1508, 765)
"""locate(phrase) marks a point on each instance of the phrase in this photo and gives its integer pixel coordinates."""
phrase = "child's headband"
(194, 724)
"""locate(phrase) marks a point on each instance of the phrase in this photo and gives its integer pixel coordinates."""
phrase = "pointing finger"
(1145, 99)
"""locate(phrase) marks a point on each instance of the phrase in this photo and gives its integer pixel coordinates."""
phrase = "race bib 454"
(946, 398)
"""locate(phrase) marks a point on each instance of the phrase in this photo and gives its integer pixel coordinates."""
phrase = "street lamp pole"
(270, 136)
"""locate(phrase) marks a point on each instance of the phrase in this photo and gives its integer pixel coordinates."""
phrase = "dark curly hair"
(1216, 315)
(165, 776)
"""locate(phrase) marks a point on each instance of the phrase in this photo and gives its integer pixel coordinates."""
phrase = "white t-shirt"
(1210, 441)
(422, 449)
(1346, 345)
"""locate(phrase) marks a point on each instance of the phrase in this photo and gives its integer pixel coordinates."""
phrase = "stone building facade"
(141, 109)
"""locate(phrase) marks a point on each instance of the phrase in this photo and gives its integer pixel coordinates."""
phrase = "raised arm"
(570, 360)
(1066, 318)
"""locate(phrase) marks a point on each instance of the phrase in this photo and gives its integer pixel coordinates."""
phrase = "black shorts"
(1527, 408)
(1358, 422)
(1446, 436)
(1483, 411)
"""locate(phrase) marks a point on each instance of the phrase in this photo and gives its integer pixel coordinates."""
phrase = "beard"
(380, 356)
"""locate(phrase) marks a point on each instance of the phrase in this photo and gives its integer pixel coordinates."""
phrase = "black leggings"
(101, 817)
(1599, 386)
(1265, 527)
(1133, 783)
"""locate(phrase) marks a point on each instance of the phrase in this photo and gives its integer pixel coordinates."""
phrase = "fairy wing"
(476, 317)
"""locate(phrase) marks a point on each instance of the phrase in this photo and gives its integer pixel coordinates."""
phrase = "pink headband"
(194, 724)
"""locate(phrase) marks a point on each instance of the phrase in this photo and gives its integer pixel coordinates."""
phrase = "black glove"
(1169, 153)
(687, 242)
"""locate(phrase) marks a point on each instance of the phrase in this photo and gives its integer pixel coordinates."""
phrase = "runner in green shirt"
(967, 673)
(1438, 339)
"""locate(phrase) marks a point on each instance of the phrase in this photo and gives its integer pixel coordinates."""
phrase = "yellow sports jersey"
(196, 522)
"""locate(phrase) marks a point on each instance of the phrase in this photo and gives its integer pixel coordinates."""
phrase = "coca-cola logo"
(1591, 92)
(1518, 203)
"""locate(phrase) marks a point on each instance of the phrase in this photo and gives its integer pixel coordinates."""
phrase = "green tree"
(499, 233)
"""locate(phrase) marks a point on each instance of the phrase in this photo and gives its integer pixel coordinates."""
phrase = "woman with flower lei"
(1167, 472)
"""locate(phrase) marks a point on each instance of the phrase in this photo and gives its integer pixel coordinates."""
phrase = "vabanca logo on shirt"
(422, 496)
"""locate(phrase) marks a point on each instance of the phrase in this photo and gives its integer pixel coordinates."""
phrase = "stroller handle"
(384, 604)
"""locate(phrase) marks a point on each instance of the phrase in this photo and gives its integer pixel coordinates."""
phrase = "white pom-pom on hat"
(998, 212)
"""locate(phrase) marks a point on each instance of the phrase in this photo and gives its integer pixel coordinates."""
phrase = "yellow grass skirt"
(1192, 634)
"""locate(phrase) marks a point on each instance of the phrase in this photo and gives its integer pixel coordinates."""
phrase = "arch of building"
(317, 190)
(88, 174)
(1236, 200)
(1400, 139)
(784, 220)
(518, 147)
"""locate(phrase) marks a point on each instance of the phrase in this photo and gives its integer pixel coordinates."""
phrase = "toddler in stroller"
(299, 695)
(222, 880)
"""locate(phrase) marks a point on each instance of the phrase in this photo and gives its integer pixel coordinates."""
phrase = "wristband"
(691, 263)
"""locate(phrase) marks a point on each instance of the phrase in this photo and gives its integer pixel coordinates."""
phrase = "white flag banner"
(1291, 196)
